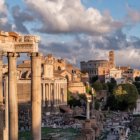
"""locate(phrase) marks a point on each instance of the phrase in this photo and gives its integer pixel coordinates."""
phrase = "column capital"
(35, 54)
(12, 54)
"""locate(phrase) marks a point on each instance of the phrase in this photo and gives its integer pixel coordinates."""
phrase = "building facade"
(95, 68)
(53, 86)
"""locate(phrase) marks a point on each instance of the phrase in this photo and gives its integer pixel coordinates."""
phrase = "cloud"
(64, 16)
(133, 15)
(87, 47)
(128, 57)
(4, 23)
(20, 17)
(3, 8)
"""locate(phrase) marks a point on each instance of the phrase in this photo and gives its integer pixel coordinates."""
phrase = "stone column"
(49, 95)
(57, 94)
(59, 100)
(6, 130)
(1, 83)
(36, 95)
(88, 111)
(55, 97)
(43, 95)
(12, 90)
(46, 93)
(89, 99)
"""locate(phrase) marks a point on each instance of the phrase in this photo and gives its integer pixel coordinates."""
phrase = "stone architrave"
(12, 90)
(36, 95)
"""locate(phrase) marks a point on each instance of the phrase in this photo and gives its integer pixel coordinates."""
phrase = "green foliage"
(126, 95)
(82, 97)
(88, 89)
(69, 96)
(97, 86)
(137, 78)
(112, 103)
(94, 79)
(137, 84)
(97, 105)
(73, 101)
(105, 86)
(113, 81)
(111, 85)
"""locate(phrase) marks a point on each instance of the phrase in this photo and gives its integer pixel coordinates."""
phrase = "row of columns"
(11, 101)
(52, 92)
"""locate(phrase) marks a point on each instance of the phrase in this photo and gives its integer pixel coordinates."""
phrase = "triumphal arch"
(11, 45)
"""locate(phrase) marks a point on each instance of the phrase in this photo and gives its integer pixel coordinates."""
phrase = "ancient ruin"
(11, 45)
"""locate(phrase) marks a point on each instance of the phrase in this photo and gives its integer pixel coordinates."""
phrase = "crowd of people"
(59, 120)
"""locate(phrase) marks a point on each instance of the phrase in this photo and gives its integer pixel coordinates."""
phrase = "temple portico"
(33, 82)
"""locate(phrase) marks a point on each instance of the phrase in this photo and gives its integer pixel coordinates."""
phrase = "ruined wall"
(24, 92)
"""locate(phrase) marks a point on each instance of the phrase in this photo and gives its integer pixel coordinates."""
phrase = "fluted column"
(1, 85)
(36, 95)
(12, 90)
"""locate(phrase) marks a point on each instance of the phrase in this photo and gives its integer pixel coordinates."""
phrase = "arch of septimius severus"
(11, 45)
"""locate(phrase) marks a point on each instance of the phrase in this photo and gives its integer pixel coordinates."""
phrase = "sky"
(78, 30)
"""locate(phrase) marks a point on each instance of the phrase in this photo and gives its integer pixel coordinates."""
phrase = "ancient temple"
(11, 45)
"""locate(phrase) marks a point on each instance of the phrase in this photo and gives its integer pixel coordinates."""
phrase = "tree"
(112, 103)
(126, 96)
(137, 78)
(111, 85)
(97, 86)
(105, 86)
(97, 104)
(137, 84)
(94, 79)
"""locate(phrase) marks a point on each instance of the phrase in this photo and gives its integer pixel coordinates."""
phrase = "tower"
(111, 59)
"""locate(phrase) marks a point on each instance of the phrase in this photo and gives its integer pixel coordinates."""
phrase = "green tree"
(111, 85)
(97, 86)
(112, 103)
(97, 104)
(94, 79)
(137, 78)
(105, 86)
(137, 84)
(126, 96)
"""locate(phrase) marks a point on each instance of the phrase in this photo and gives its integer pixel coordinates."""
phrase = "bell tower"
(111, 59)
